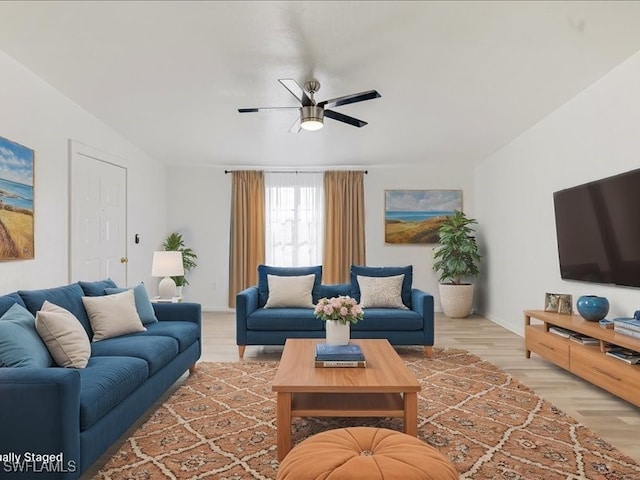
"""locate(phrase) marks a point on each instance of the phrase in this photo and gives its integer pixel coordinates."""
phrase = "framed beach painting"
(414, 216)
(16, 201)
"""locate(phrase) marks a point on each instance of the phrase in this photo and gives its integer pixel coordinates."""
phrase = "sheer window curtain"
(344, 236)
(294, 218)
(246, 242)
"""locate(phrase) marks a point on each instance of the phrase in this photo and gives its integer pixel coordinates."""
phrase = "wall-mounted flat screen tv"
(598, 230)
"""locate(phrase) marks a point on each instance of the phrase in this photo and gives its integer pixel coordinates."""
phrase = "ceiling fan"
(311, 113)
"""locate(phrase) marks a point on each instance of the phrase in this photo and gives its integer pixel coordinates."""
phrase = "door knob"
(124, 259)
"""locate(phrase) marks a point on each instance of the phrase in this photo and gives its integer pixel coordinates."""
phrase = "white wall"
(34, 114)
(594, 135)
(200, 209)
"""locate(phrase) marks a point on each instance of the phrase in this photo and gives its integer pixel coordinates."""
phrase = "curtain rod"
(296, 171)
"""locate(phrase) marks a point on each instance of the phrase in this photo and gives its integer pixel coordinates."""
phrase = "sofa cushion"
(381, 292)
(105, 383)
(113, 315)
(186, 333)
(383, 272)
(63, 335)
(20, 344)
(143, 304)
(335, 290)
(284, 319)
(68, 297)
(290, 291)
(7, 301)
(96, 289)
(156, 350)
(389, 319)
(263, 285)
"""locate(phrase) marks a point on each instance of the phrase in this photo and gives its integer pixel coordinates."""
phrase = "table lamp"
(167, 264)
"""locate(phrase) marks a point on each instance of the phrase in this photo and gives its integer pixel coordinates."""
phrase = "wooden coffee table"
(385, 388)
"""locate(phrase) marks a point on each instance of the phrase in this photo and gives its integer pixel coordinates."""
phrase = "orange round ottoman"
(365, 453)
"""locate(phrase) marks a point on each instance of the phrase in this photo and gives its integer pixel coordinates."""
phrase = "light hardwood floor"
(613, 419)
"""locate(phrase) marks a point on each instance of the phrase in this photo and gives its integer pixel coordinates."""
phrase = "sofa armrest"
(184, 311)
(246, 304)
(422, 303)
(40, 413)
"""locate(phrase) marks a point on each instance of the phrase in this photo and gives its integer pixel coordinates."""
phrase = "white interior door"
(98, 209)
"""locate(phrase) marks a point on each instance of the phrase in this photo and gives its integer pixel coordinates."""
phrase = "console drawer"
(547, 345)
(613, 375)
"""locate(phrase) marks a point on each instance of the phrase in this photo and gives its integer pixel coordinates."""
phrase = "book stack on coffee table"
(339, 356)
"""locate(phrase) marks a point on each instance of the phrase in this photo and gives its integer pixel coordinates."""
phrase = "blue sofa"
(80, 413)
(256, 325)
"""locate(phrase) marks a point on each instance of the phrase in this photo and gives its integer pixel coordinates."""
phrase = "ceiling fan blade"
(296, 90)
(296, 128)
(353, 98)
(265, 109)
(344, 118)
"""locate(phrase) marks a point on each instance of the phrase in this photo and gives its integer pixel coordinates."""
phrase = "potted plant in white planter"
(457, 259)
(175, 243)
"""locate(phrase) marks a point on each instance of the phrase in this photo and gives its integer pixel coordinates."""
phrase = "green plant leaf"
(175, 243)
(457, 256)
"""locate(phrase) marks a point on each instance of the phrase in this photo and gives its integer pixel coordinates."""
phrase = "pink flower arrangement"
(344, 309)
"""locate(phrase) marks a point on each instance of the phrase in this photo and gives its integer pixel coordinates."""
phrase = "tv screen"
(598, 230)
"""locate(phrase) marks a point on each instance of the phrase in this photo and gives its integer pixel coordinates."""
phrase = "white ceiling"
(458, 79)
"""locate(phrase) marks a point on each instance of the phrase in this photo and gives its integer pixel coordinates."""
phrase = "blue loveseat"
(76, 414)
(257, 325)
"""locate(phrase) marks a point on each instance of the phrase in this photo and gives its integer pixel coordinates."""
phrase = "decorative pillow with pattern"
(381, 292)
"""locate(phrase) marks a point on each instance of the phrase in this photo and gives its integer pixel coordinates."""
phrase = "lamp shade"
(167, 264)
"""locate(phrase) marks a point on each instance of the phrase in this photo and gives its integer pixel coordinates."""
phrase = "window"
(294, 213)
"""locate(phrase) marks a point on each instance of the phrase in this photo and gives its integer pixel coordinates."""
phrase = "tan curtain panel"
(246, 245)
(344, 242)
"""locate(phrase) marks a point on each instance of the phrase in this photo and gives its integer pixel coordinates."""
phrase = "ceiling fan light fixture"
(311, 118)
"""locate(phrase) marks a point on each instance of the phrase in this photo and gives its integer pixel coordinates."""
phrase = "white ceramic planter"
(456, 300)
(337, 332)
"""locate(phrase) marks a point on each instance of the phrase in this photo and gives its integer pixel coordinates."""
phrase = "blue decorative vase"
(592, 307)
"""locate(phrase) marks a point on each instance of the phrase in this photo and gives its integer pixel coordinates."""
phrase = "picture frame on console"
(561, 303)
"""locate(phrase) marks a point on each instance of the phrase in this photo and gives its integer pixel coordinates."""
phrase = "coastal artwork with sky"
(16, 201)
(414, 216)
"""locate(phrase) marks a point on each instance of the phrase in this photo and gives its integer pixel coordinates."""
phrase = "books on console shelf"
(563, 332)
(584, 339)
(628, 323)
(626, 355)
(350, 352)
(340, 363)
(626, 331)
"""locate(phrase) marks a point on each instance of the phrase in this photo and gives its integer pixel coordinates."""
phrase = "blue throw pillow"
(7, 301)
(143, 305)
(96, 289)
(383, 272)
(263, 285)
(20, 344)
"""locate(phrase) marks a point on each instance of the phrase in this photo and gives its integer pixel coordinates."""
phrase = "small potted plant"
(457, 259)
(338, 313)
(175, 243)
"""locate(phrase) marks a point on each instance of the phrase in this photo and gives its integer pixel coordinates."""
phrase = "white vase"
(337, 332)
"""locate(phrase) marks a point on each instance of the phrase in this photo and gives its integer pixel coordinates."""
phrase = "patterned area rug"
(220, 424)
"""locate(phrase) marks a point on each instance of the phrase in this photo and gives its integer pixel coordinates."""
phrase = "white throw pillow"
(64, 336)
(113, 315)
(381, 292)
(292, 291)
